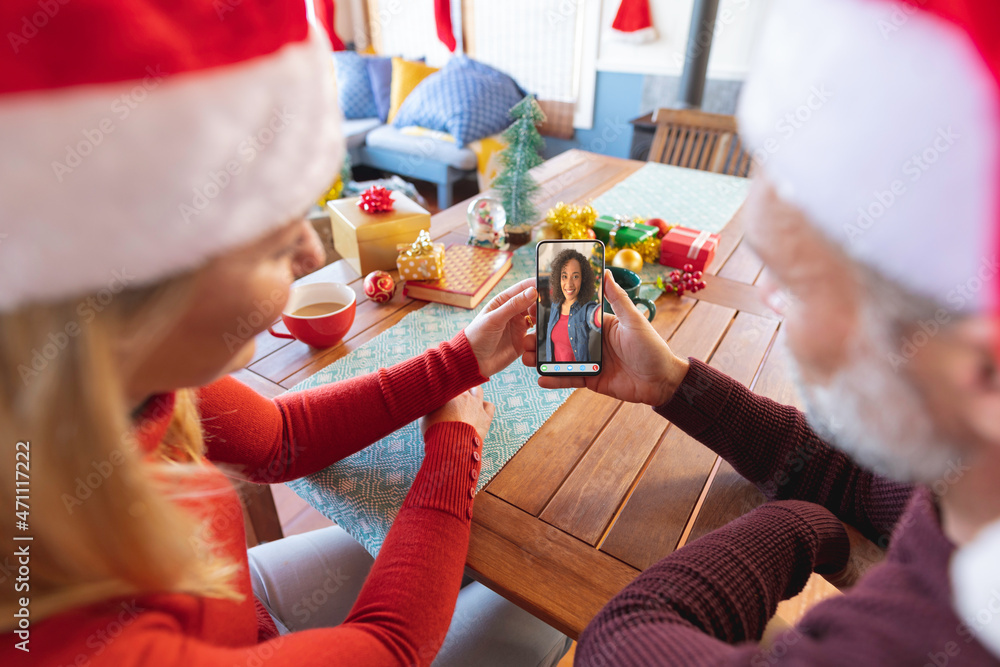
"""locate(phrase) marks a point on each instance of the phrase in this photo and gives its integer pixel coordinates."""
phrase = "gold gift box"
(368, 240)
(425, 266)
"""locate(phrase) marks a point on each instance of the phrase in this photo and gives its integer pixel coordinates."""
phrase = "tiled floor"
(295, 514)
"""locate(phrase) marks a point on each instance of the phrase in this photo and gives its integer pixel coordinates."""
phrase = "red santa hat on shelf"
(881, 120)
(634, 22)
(143, 140)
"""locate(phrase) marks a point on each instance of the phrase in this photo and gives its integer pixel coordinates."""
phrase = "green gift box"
(621, 231)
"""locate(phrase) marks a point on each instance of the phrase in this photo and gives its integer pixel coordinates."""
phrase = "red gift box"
(682, 245)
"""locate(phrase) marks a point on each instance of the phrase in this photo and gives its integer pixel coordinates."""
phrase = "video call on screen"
(570, 305)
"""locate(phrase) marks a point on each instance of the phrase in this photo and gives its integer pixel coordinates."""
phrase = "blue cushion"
(354, 86)
(424, 149)
(356, 129)
(380, 73)
(466, 99)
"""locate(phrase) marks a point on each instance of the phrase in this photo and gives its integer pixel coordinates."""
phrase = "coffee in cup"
(318, 314)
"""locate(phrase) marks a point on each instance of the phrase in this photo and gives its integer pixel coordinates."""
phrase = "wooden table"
(604, 489)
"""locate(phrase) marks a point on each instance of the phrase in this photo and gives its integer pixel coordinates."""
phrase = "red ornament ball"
(591, 234)
(661, 226)
(376, 199)
(379, 286)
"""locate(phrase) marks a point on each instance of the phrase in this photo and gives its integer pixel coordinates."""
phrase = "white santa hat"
(144, 139)
(881, 120)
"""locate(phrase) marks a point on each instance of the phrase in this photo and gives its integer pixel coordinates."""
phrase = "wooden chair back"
(699, 140)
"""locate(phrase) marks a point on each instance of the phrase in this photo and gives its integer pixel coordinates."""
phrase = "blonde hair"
(104, 516)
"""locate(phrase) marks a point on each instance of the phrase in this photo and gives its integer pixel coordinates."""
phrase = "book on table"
(469, 274)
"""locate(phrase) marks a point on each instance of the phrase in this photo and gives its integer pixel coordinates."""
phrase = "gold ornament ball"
(626, 258)
(546, 232)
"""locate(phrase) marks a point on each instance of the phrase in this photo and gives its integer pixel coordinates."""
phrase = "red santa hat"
(881, 120)
(633, 22)
(145, 137)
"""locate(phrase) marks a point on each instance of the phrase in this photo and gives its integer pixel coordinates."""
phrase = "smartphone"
(570, 321)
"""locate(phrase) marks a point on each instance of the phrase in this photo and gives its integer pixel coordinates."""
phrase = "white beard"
(975, 581)
(872, 413)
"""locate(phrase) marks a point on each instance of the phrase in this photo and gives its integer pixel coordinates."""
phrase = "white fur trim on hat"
(152, 177)
(975, 579)
(880, 122)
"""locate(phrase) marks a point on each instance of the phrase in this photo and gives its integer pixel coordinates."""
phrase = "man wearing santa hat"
(876, 210)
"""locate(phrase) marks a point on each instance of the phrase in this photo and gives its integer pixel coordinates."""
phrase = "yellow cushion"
(405, 77)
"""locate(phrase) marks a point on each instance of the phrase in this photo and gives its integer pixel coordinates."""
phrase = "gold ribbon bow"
(421, 247)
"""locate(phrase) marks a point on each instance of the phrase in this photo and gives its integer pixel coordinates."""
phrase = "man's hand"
(468, 407)
(638, 366)
(496, 334)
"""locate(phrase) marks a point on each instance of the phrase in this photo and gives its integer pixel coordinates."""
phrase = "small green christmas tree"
(514, 185)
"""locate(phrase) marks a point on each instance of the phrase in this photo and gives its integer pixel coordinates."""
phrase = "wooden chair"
(699, 140)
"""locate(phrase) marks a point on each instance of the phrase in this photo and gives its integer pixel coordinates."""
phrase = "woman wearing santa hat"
(157, 162)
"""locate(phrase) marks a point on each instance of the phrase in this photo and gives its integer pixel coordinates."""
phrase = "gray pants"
(312, 580)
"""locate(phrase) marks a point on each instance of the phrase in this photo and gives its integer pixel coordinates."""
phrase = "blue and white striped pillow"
(466, 99)
(354, 85)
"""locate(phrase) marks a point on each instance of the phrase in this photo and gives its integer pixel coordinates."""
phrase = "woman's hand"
(468, 407)
(638, 366)
(497, 332)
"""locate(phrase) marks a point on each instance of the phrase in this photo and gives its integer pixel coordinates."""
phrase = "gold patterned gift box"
(368, 241)
(421, 260)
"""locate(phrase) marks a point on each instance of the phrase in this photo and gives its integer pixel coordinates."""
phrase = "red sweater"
(405, 607)
(708, 603)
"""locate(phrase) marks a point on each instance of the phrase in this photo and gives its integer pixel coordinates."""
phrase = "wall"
(618, 99)
(634, 79)
(737, 25)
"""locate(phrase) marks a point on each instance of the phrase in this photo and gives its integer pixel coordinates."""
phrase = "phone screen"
(570, 321)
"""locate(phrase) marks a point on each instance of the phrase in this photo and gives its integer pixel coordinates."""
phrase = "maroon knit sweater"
(708, 603)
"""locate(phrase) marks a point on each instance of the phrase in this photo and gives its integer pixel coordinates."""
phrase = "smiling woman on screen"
(575, 311)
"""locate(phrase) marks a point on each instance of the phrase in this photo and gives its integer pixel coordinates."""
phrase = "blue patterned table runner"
(363, 493)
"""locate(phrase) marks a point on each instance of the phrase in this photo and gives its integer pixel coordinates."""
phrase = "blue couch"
(380, 146)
